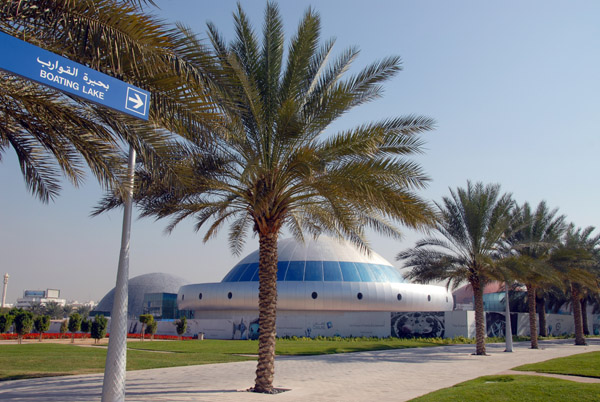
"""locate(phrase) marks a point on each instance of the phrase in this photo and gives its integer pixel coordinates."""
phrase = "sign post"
(67, 76)
(49, 69)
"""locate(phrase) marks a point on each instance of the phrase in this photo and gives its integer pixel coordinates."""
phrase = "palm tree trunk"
(584, 318)
(541, 308)
(579, 338)
(479, 317)
(533, 333)
(267, 312)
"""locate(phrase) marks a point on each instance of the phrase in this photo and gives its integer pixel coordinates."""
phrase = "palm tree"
(55, 310)
(273, 168)
(531, 238)
(471, 223)
(576, 262)
(37, 308)
(53, 133)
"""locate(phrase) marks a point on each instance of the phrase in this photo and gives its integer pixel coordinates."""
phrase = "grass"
(515, 388)
(50, 359)
(520, 388)
(585, 365)
(285, 347)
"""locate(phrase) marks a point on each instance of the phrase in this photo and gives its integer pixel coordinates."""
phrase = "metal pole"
(113, 387)
(508, 327)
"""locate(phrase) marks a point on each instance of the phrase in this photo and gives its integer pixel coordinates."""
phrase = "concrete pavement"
(391, 375)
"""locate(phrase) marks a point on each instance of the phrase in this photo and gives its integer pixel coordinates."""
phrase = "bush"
(6, 321)
(41, 324)
(74, 325)
(23, 324)
(152, 327)
(63, 328)
(99, 327)
(86, 325)
(145, 319)
(181, 326)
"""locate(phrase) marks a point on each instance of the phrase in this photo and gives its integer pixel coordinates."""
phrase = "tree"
(37, 308)
(145, 319)
(53, 133)
(67, 310)
(472, 221)
(531, 238)
(576, 262)
(181, 326)
(54, 310)
(23, 324)
(274, 168)
(99, 327)
(86, 325)
(63, 328)
(151, 329)
(83, 311)
(41, 324)
(6, 320)
(74, 325)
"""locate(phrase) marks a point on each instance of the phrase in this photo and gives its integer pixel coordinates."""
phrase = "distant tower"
(4, 289)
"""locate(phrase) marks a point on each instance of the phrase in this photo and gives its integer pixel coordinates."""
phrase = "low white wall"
(449, 324)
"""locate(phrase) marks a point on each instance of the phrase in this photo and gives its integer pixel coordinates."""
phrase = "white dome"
(323, 259)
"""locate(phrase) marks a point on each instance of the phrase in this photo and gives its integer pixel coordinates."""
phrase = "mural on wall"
(245, 329)
(418, 325)
(596, 324)
(496, 324)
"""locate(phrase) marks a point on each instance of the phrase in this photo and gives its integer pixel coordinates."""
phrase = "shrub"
(99, 327)
(23, 324)
(6, 321)
(74, 325)
(41, 324)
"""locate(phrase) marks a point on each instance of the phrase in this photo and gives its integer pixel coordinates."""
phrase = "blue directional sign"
(47, 68)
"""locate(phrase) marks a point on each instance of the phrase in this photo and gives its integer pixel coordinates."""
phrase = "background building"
(39, 296)
(139, 286)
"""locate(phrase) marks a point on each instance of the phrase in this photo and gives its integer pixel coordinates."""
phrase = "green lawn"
(585, 365)
(289, 347)
(520, 388)
(47, 359)
(515, 388)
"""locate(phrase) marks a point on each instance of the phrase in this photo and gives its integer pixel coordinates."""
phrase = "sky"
(513, 86)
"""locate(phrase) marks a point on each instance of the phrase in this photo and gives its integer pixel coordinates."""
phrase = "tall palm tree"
(576, 261)
(273, 168)
(55, 310)
(471, 223)
(54, 134)
(531, 238)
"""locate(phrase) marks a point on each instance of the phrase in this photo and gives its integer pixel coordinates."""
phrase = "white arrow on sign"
(137, 100)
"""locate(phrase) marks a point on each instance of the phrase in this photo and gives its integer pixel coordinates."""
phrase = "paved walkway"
(391, 375)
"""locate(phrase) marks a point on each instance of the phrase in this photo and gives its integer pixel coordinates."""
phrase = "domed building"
(325, 287)
(155, 287)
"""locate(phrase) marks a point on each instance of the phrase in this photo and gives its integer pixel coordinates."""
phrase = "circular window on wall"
(359, 296)
(314, 295)
(229, 295)
(399, 297)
